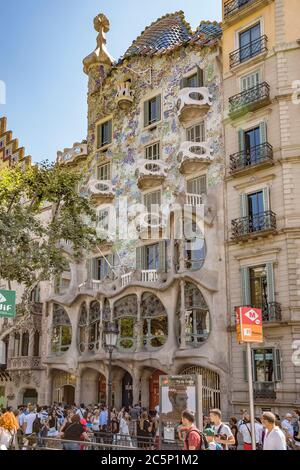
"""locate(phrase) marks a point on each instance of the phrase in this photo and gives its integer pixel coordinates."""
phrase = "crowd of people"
(75, 426)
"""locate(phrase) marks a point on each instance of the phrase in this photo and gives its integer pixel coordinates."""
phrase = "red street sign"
(249, 325)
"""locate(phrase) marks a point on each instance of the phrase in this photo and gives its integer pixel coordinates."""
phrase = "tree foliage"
(39, 207)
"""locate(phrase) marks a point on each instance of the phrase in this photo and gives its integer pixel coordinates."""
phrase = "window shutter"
(263, 132)
(244, 205)
(245, 366)
(88, 269)
(162, 255)
(139, 257)
(266, 198)
(245, 283)
(270, 282)
(146, 113)
(110, 263)
(94, 268)
(99, 135)
(158, 108)
(200, 80)
(183, 83)
(241, 136)
(109, 131)
(277, 364)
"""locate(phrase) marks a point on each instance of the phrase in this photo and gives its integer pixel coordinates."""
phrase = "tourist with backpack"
(194, 439)
(223, 434)
(210, 436)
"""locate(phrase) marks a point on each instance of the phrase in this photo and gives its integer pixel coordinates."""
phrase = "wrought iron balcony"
(249, 158)
(272, 312)
(233, 6)
(248, 51)
(249, 100)
(264, 390)
(259, 223)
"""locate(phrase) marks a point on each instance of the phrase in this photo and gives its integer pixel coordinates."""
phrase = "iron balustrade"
(264, 221)
(272, 312)
(251, 157)
(248, 98)
(248, 51)
(232, 6)
(264, 390)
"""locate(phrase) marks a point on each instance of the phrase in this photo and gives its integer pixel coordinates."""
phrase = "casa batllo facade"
(154, 137)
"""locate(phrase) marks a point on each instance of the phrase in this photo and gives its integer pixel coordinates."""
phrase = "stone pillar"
(117, 388)
(11, 342)
(136, 386)
(182, 316)
(145, 389)
(139, 325)
(49, 382)
(101, 328)
(31, 343)
(181, 256)
(78, 388)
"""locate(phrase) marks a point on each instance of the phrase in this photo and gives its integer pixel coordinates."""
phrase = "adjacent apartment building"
(261, 52)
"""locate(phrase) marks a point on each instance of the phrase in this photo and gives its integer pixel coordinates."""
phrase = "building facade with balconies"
(154, 142)
(261, 129)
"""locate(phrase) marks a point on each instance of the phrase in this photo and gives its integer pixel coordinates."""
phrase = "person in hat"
(210, 437)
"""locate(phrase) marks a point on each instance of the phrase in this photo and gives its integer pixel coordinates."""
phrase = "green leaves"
(40, 207)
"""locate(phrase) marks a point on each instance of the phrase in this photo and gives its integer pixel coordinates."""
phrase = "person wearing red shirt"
(192, 434)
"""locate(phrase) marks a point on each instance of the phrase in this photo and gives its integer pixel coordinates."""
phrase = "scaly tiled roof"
(171, 31)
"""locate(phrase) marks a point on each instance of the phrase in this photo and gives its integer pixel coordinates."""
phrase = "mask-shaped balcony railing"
(101, 189)
(249, 100)
(249, 158)
(194, 153)
(149, 170)
(193, 102)
(124, 96)
(71, 154)
(248, 51)
(245, 226)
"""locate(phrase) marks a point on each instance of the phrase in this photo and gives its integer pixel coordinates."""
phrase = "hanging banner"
(249, 325)
(7, 303)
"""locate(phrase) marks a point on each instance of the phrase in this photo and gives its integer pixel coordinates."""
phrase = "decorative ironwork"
(94, 311)
(211, 395)
(265, 221)
(232, 6)
(251, 157)
(272, 312)
(60, 316)
(151, 306)
(126, 307)
(248, 51)
(194, 298)
(245, 100)
(264, 390)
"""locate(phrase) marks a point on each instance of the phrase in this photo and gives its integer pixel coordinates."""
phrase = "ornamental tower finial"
(100, 56)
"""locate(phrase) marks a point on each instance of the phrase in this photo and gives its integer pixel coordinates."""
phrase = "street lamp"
(111, 334)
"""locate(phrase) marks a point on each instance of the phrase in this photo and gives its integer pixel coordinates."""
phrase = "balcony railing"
(254, 156)
(232, 6)
(248, 51)
(126, 279)
(193, 199)
(149, 275)
(272, 313)
(17, 363)
(264, 390)
(247, 100)
(262, 222)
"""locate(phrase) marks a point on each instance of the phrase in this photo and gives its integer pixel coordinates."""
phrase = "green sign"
(7, 303)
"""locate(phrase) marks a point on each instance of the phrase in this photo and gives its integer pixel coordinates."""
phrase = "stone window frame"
(147, 318)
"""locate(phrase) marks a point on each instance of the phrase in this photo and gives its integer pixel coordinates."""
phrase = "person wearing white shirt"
(245, 429)
(28, 421)
(274, 438)
(287, 425)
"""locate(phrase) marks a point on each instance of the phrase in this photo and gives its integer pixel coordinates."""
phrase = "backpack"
(203, 440)
(36, 425)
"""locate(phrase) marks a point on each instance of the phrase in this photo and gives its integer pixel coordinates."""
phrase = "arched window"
(125, 313)
(36, 344)
(17, 344)
(197, 317)
(61, 330)
(155, 321)
(82, 328)
(25, 344)
(94, 326)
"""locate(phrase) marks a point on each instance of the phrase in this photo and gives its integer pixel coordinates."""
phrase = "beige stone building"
(261, 52)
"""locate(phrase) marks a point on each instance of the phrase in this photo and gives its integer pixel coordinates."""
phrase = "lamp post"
(111, 334)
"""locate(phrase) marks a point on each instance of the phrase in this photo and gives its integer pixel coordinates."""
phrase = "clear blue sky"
(43, 43)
